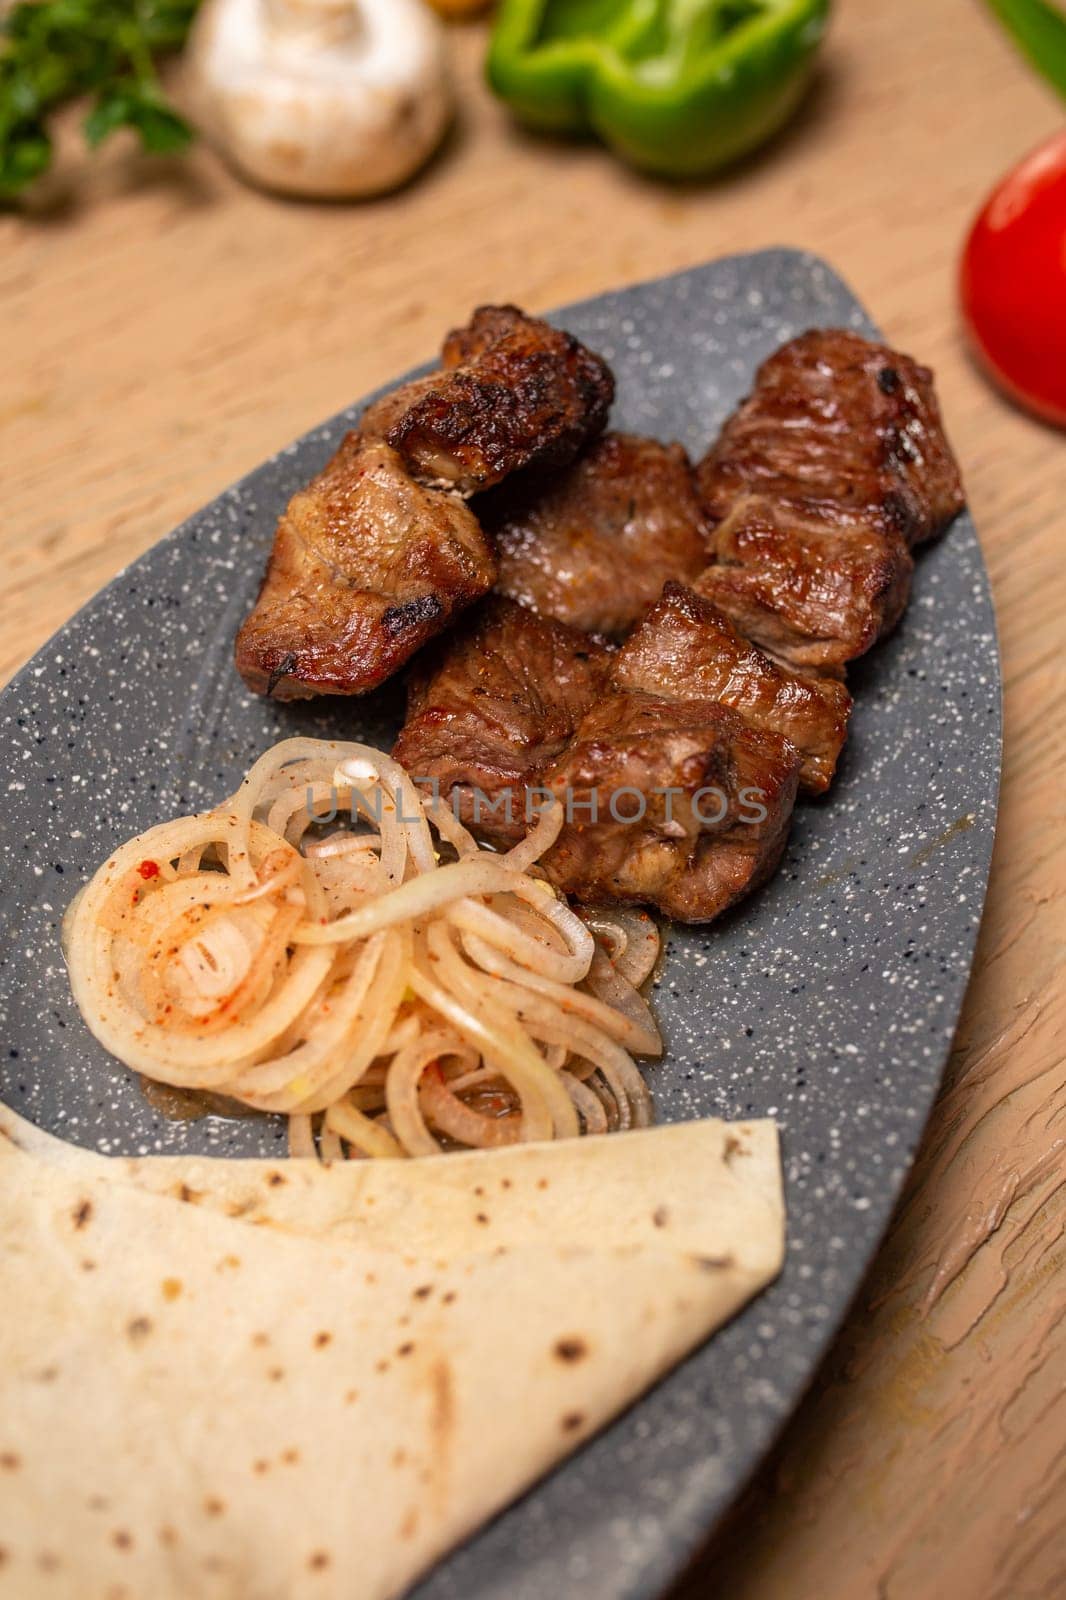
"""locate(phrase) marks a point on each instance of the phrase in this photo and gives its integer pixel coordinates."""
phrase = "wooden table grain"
(163, 329)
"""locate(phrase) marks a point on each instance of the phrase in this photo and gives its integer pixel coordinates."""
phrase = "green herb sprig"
(54, 51)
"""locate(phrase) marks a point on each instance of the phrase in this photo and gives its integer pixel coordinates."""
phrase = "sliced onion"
(621, 999)
(363, 1133)
(402, 1088)
(632, 937)
(354, 982)
(588, 1103)
(462, 1122)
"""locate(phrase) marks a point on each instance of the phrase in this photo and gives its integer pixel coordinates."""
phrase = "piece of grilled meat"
(841, 427)
(594, 544)
(814, 598)
(514, 703)
(820, 483)
(513, 393)
(715, 801)
(492, 706)
(367, 565)
(684, 648)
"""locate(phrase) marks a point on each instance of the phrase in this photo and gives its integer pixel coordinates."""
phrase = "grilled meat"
(513, 393)
(842, 429)
(594, 544)
(678, 757)
(366, 567)
(515, 702)
(486, 328)
(815, 599)
(494, 705)
(711, 799)
(687, 650)
(821, 481)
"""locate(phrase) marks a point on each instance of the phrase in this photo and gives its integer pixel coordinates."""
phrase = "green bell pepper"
(677, 87)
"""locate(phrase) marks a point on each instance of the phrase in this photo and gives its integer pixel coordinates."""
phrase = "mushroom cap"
(329, 98)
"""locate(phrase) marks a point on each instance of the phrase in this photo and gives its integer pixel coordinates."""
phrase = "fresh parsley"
(54, 51)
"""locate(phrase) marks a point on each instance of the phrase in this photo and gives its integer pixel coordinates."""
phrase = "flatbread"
(266, 1391)
(594, 1189)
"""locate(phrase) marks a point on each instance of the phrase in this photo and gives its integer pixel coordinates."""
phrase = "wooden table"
(164, 329)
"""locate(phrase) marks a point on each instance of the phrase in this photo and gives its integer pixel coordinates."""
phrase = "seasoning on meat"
(513, 393)
(519, 703)
(686, 649)
(492, 706)
(814, 598)
(677, 804)
(367, 565)
(820, 483)
(594, 544)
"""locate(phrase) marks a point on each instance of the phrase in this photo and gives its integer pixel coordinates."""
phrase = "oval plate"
(827, 1002)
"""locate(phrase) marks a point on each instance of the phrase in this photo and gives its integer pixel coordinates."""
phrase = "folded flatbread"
(260, 1380)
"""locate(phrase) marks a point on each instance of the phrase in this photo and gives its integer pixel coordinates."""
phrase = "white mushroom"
(334, 98)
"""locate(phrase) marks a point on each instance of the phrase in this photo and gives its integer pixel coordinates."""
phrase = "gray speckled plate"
(827, 1002)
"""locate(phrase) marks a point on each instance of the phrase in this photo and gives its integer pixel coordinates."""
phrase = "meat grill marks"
(685, 649)
(841, 427)
(513, 393)
(808, 507)
(594, 545)
(520, 700)
(815, 599)
(718, 798)
(493, 707)
(818, 487)
(367, 565)
(374, 558)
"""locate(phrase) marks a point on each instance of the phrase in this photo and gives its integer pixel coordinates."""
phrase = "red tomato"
(1013, 282)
